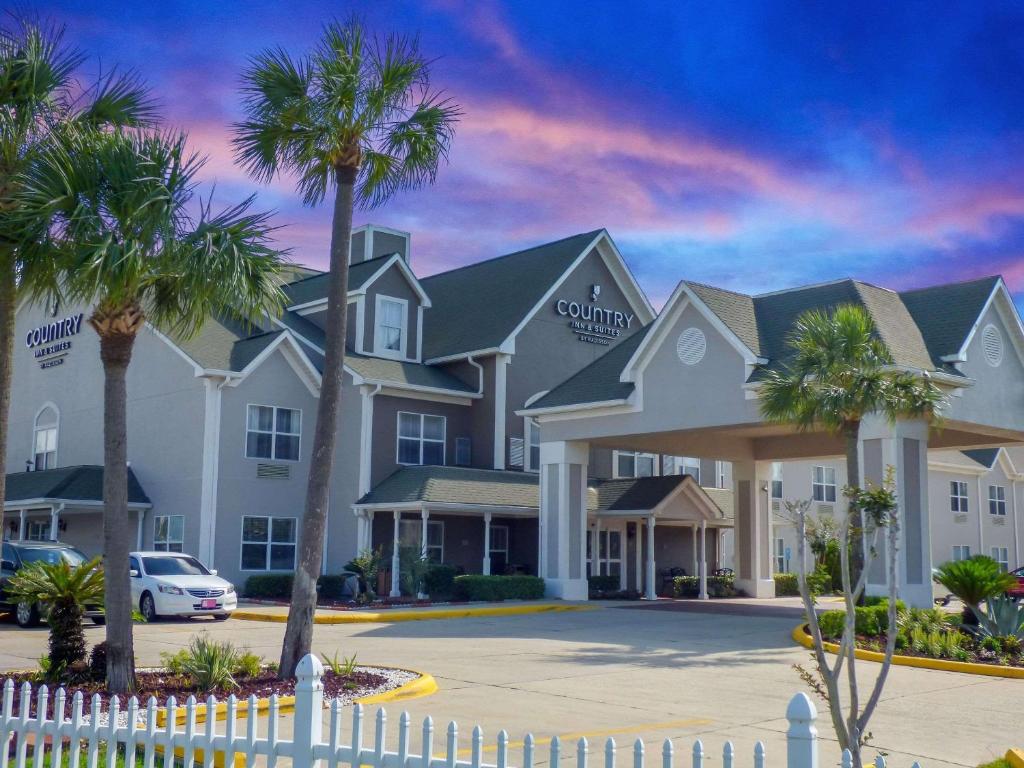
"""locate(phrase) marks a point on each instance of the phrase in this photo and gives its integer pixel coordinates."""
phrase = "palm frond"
(120, 99)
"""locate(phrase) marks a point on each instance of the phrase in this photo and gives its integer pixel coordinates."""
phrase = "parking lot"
(623, 671)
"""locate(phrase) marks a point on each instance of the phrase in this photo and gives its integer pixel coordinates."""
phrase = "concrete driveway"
(649, 672)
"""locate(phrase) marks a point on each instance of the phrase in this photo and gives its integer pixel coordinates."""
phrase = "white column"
(638, 553)
(563, 518)
(623, 551)
(369, 530)
(693, 541)
(396, 563)
(703, 560)
(424, 524)
(54, 520)
(753, 528)
(21, 524)
(487, 544)
(1016, 530)
(903, 446)
(139, 525)
(596, 555)
(651, 592)
(500, 409)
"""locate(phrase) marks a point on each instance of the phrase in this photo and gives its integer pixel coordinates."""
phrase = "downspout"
(1016, 525)
(366, 439)
(981, 522)
(480, 372)
(210, 468)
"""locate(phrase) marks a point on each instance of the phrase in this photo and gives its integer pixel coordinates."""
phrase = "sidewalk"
(279, 613)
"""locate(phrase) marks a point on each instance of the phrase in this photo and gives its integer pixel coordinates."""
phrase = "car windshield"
(174, 566)
(51, 555)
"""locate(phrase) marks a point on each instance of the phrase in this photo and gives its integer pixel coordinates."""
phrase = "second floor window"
(532, 446)
(389, 335)
(823, 484)
(690, 465)
(44, 440)
(776, 479)
(633, 464)
(719, 474)
(997, 500)
(957, 496)
(420, 438)
(273, 433)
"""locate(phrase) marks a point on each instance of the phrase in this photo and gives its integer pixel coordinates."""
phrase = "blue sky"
(753, 145)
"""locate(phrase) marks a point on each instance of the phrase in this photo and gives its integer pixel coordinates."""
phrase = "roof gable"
(945, 314)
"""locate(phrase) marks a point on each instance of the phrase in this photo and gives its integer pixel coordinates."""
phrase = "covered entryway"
(688, 386)
(65, 504)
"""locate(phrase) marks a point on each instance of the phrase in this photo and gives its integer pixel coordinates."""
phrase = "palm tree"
(64, 590)
(974, 581)
(357, 117)
(841, 371)
(117, 209)
(36, 71)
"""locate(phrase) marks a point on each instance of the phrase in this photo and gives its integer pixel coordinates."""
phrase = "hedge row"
(869, 620)
(473, 588)
(786, 585)
(278, 586)
(689, 586)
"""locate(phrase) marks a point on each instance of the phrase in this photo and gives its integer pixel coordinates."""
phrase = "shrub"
(603, 583)
(498, 588)
(832, 624)
(869, 621)
(439, 581)
(819, 582)
(269, 586)
(973, 581)
(786, 585)
(689, 586)
(98, 661)
(248, 664)
(366, 565)
(333, 586)
(209, 664)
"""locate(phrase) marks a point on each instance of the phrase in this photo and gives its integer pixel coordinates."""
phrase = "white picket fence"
(32, 732)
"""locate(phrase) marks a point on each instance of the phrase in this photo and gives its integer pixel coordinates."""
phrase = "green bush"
(598, 584)
(832, 624)
(786, 585)
(487, 588)
(869, 621)
(332, 586)
(819, 582)
(689, 586)
(269, 586)
(439, 581)
(832, 562)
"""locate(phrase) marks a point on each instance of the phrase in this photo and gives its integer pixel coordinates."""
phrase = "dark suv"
(16, 555)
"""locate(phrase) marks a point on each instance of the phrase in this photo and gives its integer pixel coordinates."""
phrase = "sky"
(750, 145)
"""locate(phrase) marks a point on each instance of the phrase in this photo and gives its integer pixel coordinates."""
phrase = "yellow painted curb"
(801, 636)
(420, 614)
(1015, 757)
(424, 685)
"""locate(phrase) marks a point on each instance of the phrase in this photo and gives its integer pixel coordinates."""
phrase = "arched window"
(44, 439)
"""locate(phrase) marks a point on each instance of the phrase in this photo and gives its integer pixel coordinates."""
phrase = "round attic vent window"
(691, 346)
(992, 344)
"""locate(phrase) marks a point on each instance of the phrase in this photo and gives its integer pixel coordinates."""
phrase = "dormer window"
(389, 335)
(44, 439)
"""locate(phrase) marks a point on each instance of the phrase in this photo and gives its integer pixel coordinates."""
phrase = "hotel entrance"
(610, 550)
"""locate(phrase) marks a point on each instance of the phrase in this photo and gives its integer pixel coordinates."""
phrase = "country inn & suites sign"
(593, 324)
(50, 342)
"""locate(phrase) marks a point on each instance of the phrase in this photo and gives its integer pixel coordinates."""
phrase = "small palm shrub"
(210, 665)
(340, 665)
(366, 566)
(973, 581)
(65, 591)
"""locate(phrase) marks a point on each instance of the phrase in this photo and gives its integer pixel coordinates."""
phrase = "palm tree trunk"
(298, 637)
(8, 298)
(851, 436)
(116, 353)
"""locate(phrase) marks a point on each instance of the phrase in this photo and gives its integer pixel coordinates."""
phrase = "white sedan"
(175, 584)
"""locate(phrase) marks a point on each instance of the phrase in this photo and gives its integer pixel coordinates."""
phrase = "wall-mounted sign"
(593, 324)
(50, 343)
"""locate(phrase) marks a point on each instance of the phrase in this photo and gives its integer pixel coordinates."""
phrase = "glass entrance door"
(609, 552)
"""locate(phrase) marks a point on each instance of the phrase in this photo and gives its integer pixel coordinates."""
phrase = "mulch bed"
(348, 605)
(977, 653)
(161, 685)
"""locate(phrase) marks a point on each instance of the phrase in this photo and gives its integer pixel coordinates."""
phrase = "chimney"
(371, 241)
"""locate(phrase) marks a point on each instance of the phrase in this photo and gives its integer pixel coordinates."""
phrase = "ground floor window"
(961, 552)
(609, 552)
(780, 556)
(1002, 556)
(169, 533)
(38, 530)
(499, 548)
(268, 543)
(410, 534)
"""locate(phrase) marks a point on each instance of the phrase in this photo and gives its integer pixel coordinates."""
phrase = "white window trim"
(1004, 563)
(993, 498)
(267, 544)
(493, 549)
(965, 547)
(824, 484)
(398, 438)
(779, 555)
(169, 541)
(719, 473)
(694, 463)
(417, 524)
(378, 346)
(655, 469)
(36, 428)
(41, 523)
(963, 504)
(273, 432)
(781, 481)
(529, 426)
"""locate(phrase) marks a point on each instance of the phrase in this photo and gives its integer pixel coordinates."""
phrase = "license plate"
(208, 603)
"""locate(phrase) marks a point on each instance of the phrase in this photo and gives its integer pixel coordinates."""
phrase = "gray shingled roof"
(599, 381)
(479, 305)
(67, 484)
(632, 494)
(457, 485)
(736, 310)
(315, 286)
(946, 313)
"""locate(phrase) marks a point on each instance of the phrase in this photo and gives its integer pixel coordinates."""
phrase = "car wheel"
(99, 620)
(26, 614)
(221, 616)
(147, 607)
